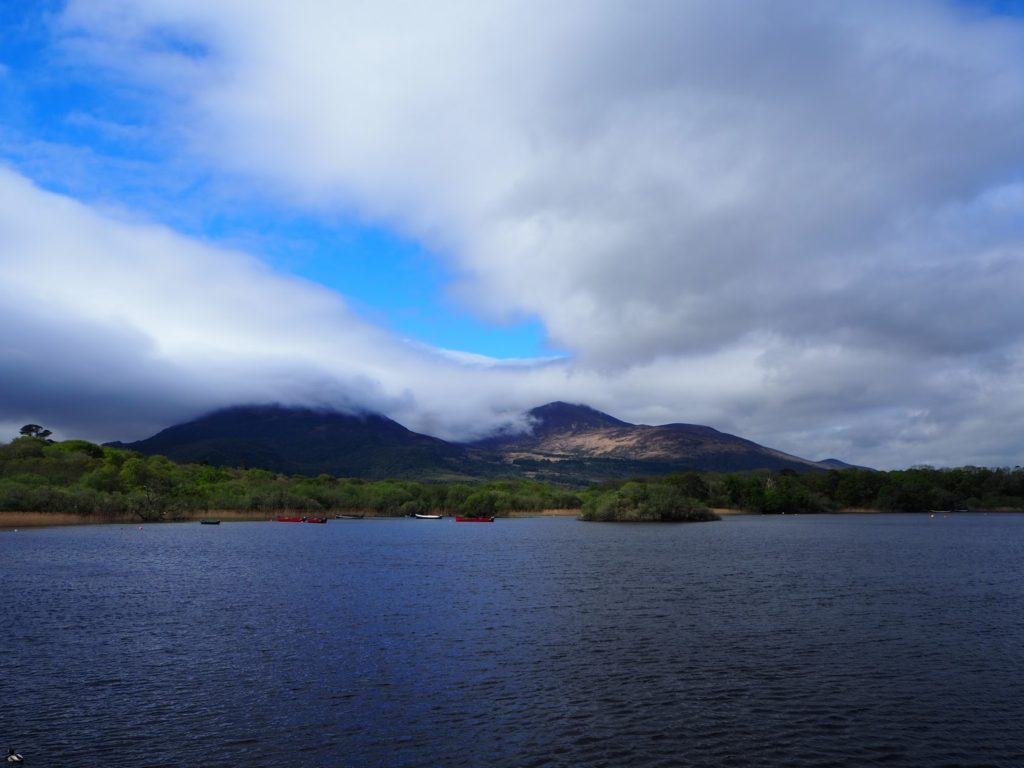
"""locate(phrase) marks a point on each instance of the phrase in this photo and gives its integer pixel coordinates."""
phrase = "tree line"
(76, 476)
(918, 489)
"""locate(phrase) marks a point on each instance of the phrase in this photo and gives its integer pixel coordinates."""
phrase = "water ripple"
(804, 642)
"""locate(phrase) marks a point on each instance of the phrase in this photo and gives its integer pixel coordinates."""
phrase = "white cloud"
(796, 221)
(624, 173)
(116, 328)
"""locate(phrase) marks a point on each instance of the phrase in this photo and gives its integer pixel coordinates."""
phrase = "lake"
(854, 640)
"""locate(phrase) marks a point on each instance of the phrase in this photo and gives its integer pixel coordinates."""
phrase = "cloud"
(796, 221)
(113, 324)
(116, 328)
(647, 183)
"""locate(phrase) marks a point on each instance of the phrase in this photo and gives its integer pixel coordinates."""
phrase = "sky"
(802, 223)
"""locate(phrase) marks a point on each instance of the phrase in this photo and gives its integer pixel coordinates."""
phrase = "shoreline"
(519, 513)
(23, 519)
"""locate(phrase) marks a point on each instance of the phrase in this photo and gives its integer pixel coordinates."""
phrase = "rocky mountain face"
(564, 432)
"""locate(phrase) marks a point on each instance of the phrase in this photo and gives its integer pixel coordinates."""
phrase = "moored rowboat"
(460, 519)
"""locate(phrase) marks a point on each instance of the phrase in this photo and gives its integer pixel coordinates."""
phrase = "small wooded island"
(645, 502)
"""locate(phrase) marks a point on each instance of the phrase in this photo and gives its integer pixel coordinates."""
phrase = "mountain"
(310, 442)
(548, 421)
(594, 441)
(839, 464)
(567, 444)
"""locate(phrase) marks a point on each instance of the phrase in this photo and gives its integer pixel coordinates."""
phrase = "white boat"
(418, 516)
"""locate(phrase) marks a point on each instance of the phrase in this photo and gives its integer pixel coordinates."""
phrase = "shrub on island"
(639, 502)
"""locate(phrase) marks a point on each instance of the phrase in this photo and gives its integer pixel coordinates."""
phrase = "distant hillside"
(310, 442)
(569, 444)
(838, 464)
(553, 419)
(586, 438)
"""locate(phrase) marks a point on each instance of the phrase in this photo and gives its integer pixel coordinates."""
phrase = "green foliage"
(483, 503)
(654, 501)
(78, 476)
(691, 484)
(34, 431)
(83, 447)
(785, 494)
(917, 489)
(81, 477)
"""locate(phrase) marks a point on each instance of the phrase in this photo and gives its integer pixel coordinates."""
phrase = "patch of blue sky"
(81, 134)
(996, 7)
(50, 108)
(390, 281)
(56, 110)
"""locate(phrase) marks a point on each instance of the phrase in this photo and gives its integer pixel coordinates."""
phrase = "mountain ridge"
(568, 444)
(564, 430)
(304, 441)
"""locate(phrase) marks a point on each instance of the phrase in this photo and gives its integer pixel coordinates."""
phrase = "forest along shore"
(9, 519)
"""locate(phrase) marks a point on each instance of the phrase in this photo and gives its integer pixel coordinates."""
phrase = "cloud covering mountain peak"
(799, 222)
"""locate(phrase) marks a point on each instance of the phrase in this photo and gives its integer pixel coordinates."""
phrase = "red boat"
(459, 519)
(315, 520)
(286, 519)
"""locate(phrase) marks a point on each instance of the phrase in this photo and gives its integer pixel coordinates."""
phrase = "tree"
(34, 430)
(690, 484)
(480, 504)
(645, 502)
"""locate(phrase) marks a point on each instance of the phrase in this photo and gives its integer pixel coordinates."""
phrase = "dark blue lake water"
(789, 641)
